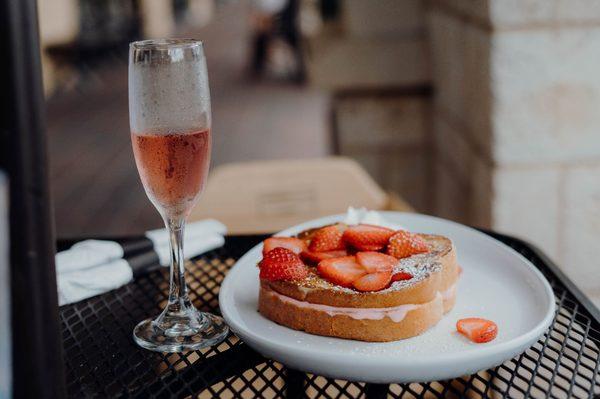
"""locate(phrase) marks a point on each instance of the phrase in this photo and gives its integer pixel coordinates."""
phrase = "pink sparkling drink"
(173, 167)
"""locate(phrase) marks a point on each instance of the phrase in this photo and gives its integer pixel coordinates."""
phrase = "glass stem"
(178, 295)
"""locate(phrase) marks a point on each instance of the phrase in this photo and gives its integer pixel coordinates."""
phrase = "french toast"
(396, 302)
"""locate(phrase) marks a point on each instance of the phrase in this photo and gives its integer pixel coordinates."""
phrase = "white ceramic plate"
(497, 284)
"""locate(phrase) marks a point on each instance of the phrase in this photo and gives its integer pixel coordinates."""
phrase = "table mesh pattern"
(102, 360)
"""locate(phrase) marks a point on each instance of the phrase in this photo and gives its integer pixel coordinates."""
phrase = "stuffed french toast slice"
(362, 282)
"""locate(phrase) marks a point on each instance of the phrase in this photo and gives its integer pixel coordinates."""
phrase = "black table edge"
(295, 379)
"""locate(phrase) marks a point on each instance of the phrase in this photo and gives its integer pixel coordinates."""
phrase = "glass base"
(180, 332)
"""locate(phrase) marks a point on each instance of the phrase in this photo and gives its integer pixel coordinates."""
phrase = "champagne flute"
(170, 121)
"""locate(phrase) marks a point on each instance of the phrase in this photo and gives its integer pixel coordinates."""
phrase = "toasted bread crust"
(319, 322)
(445, 250)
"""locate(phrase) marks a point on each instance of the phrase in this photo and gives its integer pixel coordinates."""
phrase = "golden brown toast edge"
(318, 322)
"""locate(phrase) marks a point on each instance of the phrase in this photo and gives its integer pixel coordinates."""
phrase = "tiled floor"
(94, 182)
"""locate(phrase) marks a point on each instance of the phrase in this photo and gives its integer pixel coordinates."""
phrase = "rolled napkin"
(199, 228)
(192, 244)
(82, 284)
(86, 254)
(93, 267)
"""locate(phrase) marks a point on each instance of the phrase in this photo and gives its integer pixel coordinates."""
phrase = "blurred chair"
(268, 196)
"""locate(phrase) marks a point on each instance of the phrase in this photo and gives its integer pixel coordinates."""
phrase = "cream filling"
(396, 314)
(449, 293)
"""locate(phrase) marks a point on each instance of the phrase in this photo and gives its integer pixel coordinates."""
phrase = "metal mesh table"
(102, 360)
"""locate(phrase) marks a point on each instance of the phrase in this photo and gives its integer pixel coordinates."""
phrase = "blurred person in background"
(276, 40)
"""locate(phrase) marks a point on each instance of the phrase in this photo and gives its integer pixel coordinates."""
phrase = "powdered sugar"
(419, 266)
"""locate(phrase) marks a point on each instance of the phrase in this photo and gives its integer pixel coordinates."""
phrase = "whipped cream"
(364, 216)
(396, 314)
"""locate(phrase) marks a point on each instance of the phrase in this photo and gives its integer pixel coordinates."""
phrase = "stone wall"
(372, 44)
(388, 134)
(374, 60)
(517, 123)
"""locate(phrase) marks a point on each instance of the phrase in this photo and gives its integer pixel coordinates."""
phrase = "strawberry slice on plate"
(477, 330)
(328, 238)
(373, 281)
(401, 276)
(404, 244)
(282, 264)
(376, 261)
(366, 237)
(316, 257)
(295, 245)
(341, 271)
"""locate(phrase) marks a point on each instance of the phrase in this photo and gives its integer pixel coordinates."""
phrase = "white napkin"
(93, 267)
(199, 237)
(88, 253)
(192, 246)
(199, 228)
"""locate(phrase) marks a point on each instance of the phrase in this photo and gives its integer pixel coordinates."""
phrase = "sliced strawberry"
(376, 261)
(295, 245)
(341, 271)
(282, 264)
(316, 257)
(477, 330)
(403, 244)
(366, 237)
(328, 238)
(401, 276)
(373, 281)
